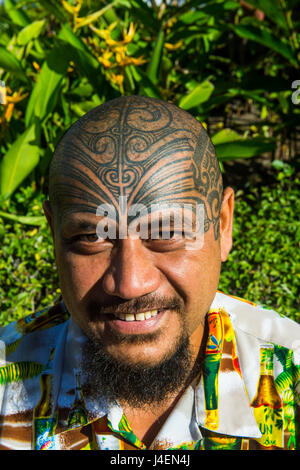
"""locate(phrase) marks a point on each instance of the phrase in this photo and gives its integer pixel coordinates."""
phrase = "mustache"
(140, 304)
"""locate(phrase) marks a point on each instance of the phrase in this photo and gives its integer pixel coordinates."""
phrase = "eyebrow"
(75, 225)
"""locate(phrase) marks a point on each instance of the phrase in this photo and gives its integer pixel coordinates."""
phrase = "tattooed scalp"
(146, 150)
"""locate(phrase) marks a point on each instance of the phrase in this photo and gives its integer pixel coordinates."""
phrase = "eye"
(88, 240)
(89, 237)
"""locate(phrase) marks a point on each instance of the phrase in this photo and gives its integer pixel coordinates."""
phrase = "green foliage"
(28, 277)
(264, 263)
(59, 59)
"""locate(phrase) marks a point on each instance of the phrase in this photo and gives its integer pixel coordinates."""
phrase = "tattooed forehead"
(138, 148)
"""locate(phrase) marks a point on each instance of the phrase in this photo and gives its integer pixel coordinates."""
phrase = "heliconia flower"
(74, 10)
(128, 36)
(104, 59)
(16, 97)
(117, 79)
(104, 33)
(173, 47)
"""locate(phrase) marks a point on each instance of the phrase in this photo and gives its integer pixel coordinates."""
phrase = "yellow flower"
(74, 10)
(120, 52)
(123, 60)
(37, 256)
(128, 36)
(33, 232)
(104, 59)
(117, 79)
(173, 47)
(104, 33)
(10, 104)
(137, 61)
(36, 66)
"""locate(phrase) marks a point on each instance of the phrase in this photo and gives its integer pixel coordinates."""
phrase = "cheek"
(191, 268)
(78, 274)
(195, 276)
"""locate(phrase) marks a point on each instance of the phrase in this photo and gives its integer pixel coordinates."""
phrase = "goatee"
(136, 384)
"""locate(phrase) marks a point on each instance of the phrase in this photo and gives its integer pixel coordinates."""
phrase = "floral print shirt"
(246, 397)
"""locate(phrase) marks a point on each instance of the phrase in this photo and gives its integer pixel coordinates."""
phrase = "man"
(143, 352)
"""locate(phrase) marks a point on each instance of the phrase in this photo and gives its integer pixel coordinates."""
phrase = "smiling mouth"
(141, 316)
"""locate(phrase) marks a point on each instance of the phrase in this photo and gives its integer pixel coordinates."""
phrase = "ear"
(226, 222)
(49, 216)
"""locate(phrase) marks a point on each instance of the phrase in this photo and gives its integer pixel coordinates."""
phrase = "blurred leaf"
(146, 86)
(225, 135)
(200, 94)
(153, 66)
(84, 21)
(265, 37)
(11, 64)
(20, 160)
(54, 7)
(145, 15)
(273, 9)
(43, 97)
(245, 148)
(32, 31)
(26, 220)
(15, 13)
(82, 57)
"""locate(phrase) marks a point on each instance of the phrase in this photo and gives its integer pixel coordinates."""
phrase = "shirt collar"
(237, 381)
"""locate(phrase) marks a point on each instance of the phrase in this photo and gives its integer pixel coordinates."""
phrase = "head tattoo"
(147, 150)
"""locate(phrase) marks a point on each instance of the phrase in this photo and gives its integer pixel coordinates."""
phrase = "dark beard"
(136, 384)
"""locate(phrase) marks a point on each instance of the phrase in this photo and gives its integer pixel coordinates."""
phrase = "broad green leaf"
(191, 17)
(273, 9)
(244, 148)
(24, 219)
(15, 13)
(154, 64)
(80, 54)
(32, 31)
(44, 95)
(21, 158)
(266, 38)
(225, 135)
(10, 63)
(200, 94)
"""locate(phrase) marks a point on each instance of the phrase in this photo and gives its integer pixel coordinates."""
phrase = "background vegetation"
(231, 64)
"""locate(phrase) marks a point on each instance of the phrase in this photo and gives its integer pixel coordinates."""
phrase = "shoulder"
(259, 321)
(29, 331)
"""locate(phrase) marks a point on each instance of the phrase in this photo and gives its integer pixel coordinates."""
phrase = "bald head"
(146, 150)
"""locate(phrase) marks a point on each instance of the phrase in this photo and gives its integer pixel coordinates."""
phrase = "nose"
(132, 272)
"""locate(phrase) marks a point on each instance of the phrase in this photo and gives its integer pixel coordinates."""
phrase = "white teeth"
(138, 316)
(129, 317)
